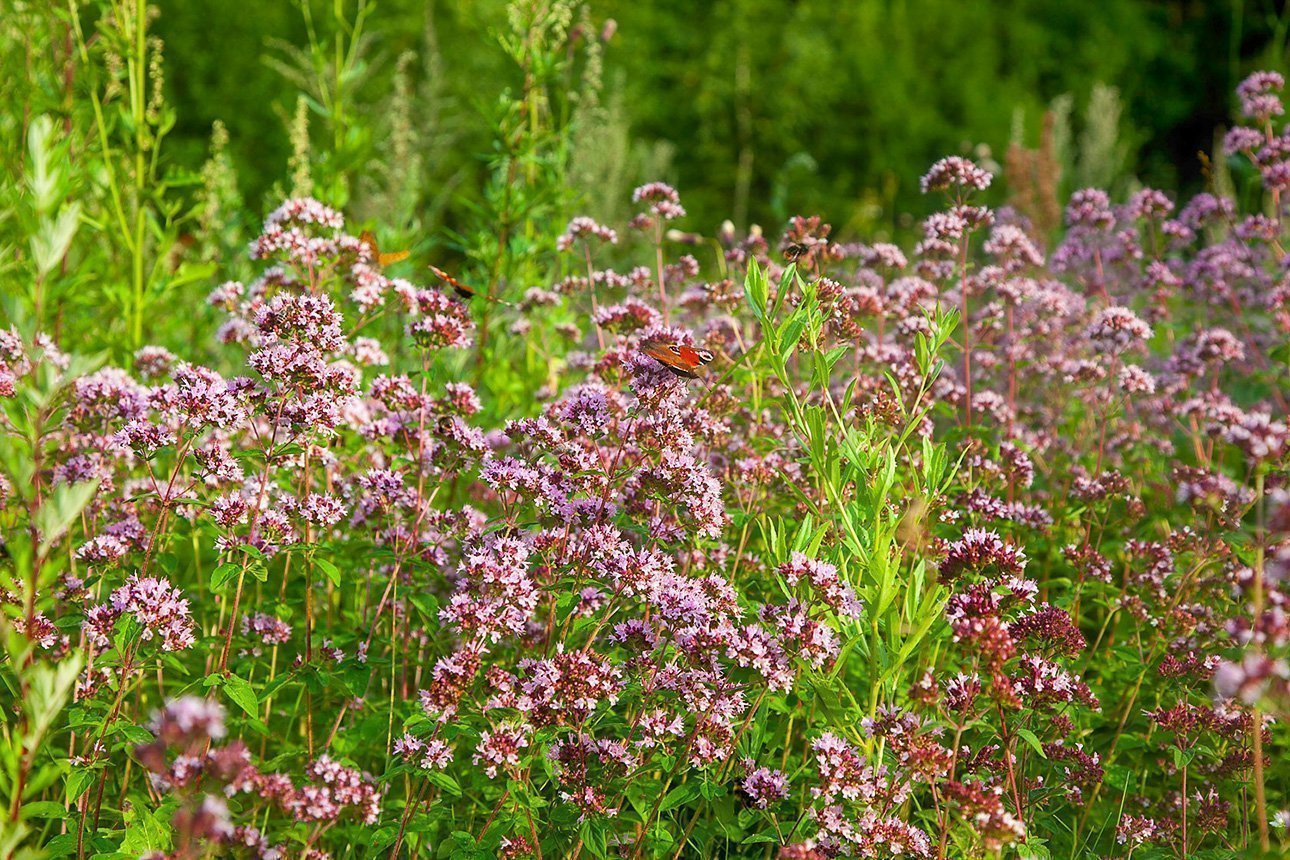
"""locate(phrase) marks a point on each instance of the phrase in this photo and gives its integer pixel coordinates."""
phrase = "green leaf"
(53, 236)
(145, 832)
(61, 509)
(1029, 737)
(224, 574)
(382, 838)
(790, 334)
(192, 273)
(712, 790)
(428, 604)
(77, 782)
(445, 783)
(241, 692)
(756, 289)
(250, 550)
(595, 837)
(332, 572)
(679, 795)
(49, 688)
(135, 734)
(44, 809)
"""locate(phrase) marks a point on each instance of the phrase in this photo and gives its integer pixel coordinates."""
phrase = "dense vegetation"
(573, 529)
(809, 106)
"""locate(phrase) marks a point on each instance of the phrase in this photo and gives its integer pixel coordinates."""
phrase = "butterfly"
(462, 290)
(682, 360)
(458, 287)
(382, 259)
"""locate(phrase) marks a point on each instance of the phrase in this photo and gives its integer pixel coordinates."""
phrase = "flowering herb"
(976, 548)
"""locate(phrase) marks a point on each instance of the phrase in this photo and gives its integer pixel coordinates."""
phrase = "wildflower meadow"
(570, 527)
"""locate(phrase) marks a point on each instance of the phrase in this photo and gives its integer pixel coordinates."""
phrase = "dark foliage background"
(767, 108)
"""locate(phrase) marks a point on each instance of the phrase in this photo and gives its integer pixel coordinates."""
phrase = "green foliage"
(47, 216)
(838, 107)
(777, 110)
(385, 109)
(867, 510)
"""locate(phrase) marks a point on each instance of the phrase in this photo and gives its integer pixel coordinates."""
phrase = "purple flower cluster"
(582, 229)
(329, 791)
(159, 609)
(662, 204)
(955, 172)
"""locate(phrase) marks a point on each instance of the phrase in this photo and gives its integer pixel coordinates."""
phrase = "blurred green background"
(144, 142)
(759, 109)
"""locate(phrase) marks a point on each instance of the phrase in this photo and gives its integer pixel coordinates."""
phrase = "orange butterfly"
(382, 259)
(682, 360)
(462, 290)
(458, 287)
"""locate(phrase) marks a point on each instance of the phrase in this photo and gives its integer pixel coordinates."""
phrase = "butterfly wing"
(682, 360)
(692, 357)
(457, 286)
(368, 239)
(382, 258)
